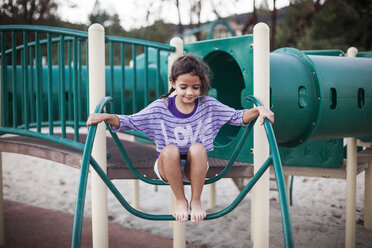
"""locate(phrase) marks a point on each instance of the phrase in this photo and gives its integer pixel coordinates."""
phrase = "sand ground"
(317, 214)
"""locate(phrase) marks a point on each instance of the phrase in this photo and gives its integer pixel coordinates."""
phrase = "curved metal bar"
(45, 29)
(286, 220)
(44, 136)
(41, 42)
(164, 217)
(139, 42)
(227, 168)
(87, 159)
(79, 209)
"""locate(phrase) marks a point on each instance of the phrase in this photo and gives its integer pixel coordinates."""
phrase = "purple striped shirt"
(160, 125)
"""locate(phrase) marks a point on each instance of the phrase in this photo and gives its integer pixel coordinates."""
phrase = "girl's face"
(187, 87)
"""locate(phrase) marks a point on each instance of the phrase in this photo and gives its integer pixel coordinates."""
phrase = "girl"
(183, 128)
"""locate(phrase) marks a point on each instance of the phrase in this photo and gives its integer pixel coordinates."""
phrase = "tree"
(28, 12)
(351, 28)
(299, 17)
(251, 21)
(273, 26)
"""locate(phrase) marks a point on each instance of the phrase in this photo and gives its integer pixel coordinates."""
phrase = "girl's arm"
(95, 118)
(261, 112)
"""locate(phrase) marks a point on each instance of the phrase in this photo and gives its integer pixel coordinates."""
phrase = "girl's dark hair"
(193, 65)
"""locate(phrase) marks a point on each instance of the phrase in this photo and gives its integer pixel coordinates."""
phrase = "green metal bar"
(14, 79)
(80, 80)
(140, 43)
(25, 80)
(129, 162)
(122, 57)
(79, 209)
(32, 44)
(55, 123)
(43, 136)
(88, 159)
(243, 193)
(137, 174)
(70, 105)
(146, 86)
(4, 88)
(62, 85)
(111, 55)
(21, 91)
(38, 81)
(76, 90)
(134, 93)
(234, 155)
(50, 80)
(32, 86)
(279, 175)
(44, 29)
(158, 76)
(168, 217)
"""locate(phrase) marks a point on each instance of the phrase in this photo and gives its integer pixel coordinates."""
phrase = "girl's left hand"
(265, 113)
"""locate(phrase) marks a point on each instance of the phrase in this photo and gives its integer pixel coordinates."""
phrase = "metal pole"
(136, 196)
(179, 228)
(261, 89)
(2, 237)
(368, 197)
(212, 196)
(96, 40)
(351, 174)
(2, 227)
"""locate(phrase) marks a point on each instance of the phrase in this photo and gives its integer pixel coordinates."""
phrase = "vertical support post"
(179, 228)
(368, 197)
(136, 197)
(351, 174)
(212, 196)
(96, 39)
(261, 89)
(2, 236)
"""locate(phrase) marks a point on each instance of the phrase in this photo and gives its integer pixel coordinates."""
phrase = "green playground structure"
(318, 97)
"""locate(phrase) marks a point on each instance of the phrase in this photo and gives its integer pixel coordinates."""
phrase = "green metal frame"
(88, 159)
(210, 27)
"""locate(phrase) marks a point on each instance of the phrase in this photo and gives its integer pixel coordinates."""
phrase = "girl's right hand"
(96, 119)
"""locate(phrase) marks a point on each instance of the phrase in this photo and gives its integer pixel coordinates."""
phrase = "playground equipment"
(210, 27)
(310, 92)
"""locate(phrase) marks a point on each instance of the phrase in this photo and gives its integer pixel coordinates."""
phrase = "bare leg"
(195, 171)
(170, 170)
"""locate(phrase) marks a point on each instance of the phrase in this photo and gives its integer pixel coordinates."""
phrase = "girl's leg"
(170, 170)
(195, 171)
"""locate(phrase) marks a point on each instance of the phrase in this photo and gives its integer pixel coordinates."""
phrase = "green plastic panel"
(231, 64)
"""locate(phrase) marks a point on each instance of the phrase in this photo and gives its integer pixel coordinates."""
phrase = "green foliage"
(344, 23)
(334, 24)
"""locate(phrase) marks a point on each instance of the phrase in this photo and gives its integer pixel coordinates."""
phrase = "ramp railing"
(45, 83)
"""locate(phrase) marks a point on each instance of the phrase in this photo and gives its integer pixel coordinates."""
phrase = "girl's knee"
(170, 152)
(197, 150)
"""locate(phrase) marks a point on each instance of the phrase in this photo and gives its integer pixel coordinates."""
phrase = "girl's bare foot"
(197, 212)
(181, 213)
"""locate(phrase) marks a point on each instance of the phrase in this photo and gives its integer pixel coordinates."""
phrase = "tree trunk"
(273, 26)
(180, 26)
(252, 19)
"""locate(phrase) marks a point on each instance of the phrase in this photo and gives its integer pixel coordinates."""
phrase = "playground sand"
(318, 211)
